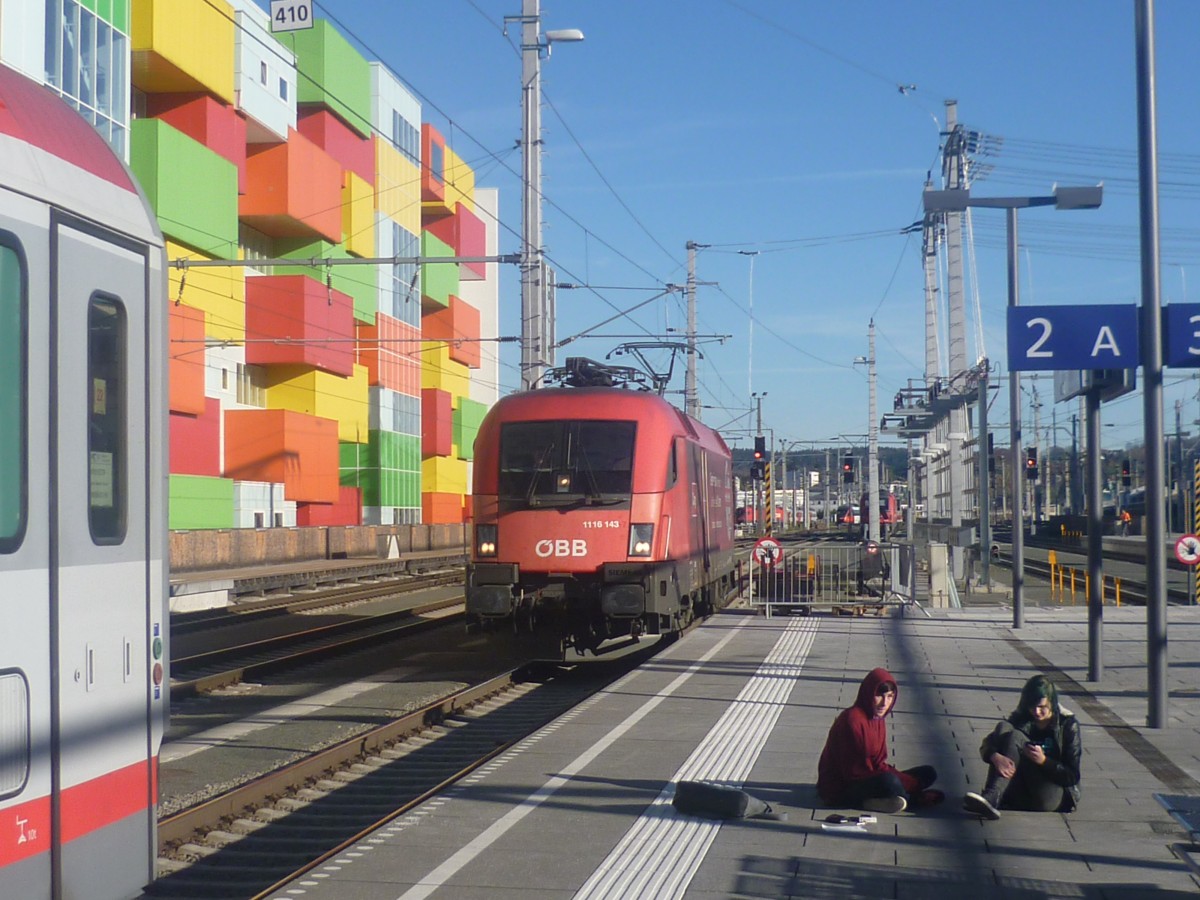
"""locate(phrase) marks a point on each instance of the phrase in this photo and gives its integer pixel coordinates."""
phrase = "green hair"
(1036, 689)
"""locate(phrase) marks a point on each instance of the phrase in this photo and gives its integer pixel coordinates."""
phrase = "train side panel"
(83, 702)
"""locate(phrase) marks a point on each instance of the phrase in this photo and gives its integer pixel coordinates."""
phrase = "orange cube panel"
(441, 509)
(279, 445)
(185, 375)
(206, 120)
(458, 325)
(329, 133)
(293, 190)
(390, 350)
(318, 321)
(347, 510)
(437, 423)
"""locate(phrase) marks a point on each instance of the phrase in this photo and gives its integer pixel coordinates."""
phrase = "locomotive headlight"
(641, 539)
(485, 540)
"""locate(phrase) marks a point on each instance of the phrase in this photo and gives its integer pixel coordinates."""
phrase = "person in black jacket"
(1032, 756)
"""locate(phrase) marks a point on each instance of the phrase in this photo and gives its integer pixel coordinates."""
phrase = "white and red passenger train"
(600, 514)
(83, 524)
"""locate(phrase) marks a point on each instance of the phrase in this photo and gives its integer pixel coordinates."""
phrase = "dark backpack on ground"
(719, 801)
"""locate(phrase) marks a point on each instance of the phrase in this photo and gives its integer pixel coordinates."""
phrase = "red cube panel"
(196, 442)
(437, 423)
(296, 320)
(433, 164)
(347, 510)
(329, 133)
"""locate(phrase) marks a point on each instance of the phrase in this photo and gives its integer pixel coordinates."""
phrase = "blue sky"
(778, 127)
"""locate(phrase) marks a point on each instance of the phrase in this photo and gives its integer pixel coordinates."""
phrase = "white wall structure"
(265, 76)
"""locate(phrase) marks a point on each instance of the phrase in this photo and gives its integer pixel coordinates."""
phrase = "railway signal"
(1126, 477)
(1031, 463)
(760, 448)
(848, 470)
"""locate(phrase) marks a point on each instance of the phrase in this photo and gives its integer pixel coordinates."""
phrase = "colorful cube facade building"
(301, 393)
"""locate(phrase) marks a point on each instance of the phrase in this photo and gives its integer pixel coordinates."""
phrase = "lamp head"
(563, 35)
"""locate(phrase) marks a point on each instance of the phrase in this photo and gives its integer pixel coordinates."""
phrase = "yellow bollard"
(1072, 587)
(1117, 589)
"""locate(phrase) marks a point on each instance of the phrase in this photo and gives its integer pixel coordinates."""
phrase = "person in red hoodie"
(854, 770)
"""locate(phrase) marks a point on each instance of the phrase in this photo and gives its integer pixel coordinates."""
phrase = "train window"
(14, 394)
(14, 732)
(673, 463)
(539, 460)
(106, 419)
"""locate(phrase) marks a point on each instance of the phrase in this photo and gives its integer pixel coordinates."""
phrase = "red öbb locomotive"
(601, 514)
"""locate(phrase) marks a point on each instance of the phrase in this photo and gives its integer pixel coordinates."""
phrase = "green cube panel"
(200, 210)
(360, 282)
(197, 501)
(438, 280)
(332, 73)
(467, 417)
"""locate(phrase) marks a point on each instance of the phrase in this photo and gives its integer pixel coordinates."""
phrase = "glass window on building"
(107, 450)
(14, 391)
(87, 63)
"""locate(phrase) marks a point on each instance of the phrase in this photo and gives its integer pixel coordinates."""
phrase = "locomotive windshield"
(565, 461)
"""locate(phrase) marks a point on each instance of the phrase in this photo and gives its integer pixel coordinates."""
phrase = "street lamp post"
(957, 200)
(537, 313)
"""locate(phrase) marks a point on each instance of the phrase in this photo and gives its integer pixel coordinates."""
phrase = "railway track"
(246, 842)
(210, 670)
(210, 665)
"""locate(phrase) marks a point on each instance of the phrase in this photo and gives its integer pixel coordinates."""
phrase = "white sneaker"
(978, 804)
(895, 804)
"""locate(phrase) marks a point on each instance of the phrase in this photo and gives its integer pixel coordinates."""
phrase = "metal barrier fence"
(832, 575)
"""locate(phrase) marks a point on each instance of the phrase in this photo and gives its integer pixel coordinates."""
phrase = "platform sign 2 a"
(1091, 336)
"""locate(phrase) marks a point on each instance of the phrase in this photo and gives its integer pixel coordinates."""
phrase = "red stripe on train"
(25, 830)
(92, 805)
(87, 807)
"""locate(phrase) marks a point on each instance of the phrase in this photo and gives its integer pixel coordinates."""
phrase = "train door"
(102, 585)
(25, 772)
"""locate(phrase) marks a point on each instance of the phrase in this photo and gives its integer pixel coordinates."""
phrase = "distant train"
(83, 696)
(600, 515)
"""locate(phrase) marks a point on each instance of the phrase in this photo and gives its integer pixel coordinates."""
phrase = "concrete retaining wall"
(192, 551)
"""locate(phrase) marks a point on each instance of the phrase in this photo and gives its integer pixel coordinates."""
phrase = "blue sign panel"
(1181, 335)
(1048, 338)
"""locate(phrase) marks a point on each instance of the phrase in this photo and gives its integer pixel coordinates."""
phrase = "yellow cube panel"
(460, 182)
(397, 187)
(439, 371)
(358, 215)
(316, 393)
(220, 291)
(444, 475)
(183, 45)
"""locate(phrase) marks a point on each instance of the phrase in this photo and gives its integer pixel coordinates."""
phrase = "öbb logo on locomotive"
(561, 547)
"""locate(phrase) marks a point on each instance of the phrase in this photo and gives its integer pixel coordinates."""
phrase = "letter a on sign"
(1105, 341)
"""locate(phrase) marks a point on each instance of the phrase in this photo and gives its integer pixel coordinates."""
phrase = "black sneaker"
(978, 804)
(895, 804)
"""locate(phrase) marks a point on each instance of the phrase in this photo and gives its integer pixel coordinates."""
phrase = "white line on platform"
(661, 852)
(497, 829)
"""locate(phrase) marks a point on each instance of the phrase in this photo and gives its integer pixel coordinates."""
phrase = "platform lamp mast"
(537, 312)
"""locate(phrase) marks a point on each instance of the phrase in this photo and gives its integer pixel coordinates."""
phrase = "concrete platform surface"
(582, 809)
